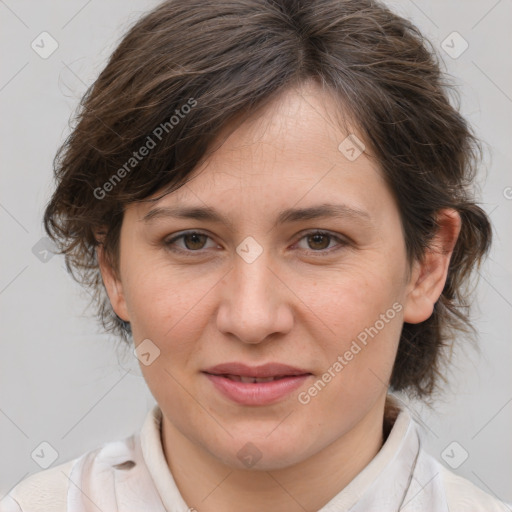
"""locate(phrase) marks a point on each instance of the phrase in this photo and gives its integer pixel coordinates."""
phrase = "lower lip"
(258, 393)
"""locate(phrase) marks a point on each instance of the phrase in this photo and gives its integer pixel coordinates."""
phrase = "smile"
(243, 378)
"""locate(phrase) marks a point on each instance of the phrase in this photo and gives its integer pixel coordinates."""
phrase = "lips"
(256, 385)
(243, 378)
(269, 371)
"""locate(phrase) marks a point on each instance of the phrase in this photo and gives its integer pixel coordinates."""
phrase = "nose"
(255, 302)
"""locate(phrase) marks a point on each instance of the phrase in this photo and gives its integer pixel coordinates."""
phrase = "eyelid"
(342, 241)
(169, 241)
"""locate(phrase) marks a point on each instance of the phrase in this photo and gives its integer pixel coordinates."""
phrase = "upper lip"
(265, 370)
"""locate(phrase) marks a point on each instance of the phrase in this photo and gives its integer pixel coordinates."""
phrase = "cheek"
(167, 310)
(359, 318)
(167, 305)
(350, 299)
(358, 362)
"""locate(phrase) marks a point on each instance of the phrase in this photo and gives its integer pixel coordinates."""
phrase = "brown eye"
(318, 241)
(321, 243)
(194, 241)
(191, 242)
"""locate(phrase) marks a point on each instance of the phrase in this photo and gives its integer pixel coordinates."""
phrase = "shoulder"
(115, 466)
(45, 491)
(463, 495)
(53, 489)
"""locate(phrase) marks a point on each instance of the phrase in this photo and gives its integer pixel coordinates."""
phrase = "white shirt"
(132, 475)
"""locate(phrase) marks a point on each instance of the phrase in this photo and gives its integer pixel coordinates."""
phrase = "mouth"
(253, 380)
(256, 385)
(263, 373)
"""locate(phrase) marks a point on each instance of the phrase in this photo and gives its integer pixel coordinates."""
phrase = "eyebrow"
(207, 213)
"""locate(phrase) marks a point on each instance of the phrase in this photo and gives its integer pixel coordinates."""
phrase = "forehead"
(293, 150)
(302, 121)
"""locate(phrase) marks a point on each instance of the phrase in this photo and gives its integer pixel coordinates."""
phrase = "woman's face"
(259, 285)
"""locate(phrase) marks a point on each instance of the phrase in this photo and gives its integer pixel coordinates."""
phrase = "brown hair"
(226, 59)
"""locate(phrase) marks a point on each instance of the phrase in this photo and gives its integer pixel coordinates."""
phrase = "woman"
(273, 200)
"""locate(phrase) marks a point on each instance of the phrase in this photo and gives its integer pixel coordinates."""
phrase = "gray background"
(62, 380)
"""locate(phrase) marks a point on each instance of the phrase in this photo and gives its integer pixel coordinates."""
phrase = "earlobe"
(113, 285)
(428, 276)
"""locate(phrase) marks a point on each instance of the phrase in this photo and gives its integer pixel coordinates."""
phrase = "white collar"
(134, 471)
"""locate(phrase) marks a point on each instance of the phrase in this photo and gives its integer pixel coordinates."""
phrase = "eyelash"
(323, 252)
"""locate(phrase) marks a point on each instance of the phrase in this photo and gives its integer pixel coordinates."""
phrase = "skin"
(291, 305)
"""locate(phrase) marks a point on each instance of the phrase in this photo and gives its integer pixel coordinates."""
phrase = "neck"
(208, 485)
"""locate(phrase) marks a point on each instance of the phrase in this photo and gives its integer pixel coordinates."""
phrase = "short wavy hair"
(229, 58)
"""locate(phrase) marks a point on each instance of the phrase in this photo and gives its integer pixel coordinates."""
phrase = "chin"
(260, 452)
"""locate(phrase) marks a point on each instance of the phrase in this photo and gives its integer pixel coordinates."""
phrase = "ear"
(428, 276)
(112, 284)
